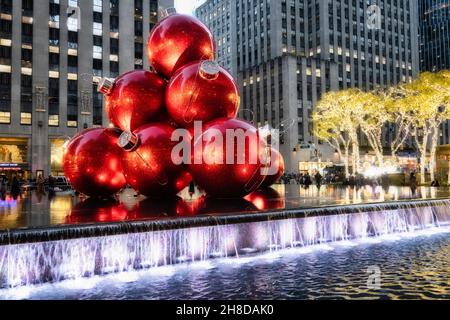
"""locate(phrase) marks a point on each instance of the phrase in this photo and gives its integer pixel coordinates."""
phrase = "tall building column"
(106, 45)
(63, 64)
(126, 36)
(146, 32)
(16, 54)
(290, 114)
(40, 142)
(85, 63)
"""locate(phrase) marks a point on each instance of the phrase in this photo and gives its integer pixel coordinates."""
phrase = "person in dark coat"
(318, 177)
(307, 180)
(192, 189)
(3, 186)
(51, 184)
(15, 188)
(413, 182)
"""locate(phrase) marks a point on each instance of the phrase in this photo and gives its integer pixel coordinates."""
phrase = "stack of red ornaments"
(146, 107)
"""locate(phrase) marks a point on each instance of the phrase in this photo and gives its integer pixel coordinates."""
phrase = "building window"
(56, 156)
(72, 103)
(25, 118)
(26, 94)
(13, 150)
(5, 117)
(53, 120)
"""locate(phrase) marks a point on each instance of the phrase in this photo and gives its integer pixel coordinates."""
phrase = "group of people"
(13, 186)
(413, 182)
(40, 184)
(6, 185)
(357, 180)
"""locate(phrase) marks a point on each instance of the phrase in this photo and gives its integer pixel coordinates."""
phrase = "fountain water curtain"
(54, 261)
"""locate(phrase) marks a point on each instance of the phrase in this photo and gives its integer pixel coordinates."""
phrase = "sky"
(187, 6)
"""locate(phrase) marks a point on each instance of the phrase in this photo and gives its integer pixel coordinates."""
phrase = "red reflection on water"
(212, 206)
(154, 208)
(94, 210)
(10, 200)
(190, 208)
(267, 199)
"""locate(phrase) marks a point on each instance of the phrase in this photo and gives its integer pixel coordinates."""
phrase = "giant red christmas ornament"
(276, 170)
(176, 41)
(148, 164)
(93, 163)
(201, 91)
(225, 166)
(134, 99)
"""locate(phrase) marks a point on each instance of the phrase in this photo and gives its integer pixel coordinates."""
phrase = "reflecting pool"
(33, 210)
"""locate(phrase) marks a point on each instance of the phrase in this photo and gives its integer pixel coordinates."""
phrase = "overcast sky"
(187, 6)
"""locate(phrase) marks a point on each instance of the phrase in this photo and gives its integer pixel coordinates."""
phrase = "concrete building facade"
(434, 22)
(288, 53)
(217, 15)
(50, 52)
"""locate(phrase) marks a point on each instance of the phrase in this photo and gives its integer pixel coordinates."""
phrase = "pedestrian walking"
(40, 184)
(3, 186)
(15, 188)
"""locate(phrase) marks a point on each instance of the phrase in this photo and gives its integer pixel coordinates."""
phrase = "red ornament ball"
(275, 169)
(148, 163)
(176, 41)
(134, 99)
(93, 163)
(225, 169)
(201, 91)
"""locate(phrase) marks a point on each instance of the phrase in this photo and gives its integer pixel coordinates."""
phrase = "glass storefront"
(14, 157)
(313, 167)
(56, 156)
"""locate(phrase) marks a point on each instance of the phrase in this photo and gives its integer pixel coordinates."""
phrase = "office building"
(217, 15)
(434, 21)
(50, 50)
(288, 53)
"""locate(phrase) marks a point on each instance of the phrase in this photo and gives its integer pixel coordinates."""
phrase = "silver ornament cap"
(209, 70)
(128, 141)
(105, 85)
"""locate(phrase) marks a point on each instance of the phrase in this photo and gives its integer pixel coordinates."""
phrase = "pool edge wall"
(71, 232)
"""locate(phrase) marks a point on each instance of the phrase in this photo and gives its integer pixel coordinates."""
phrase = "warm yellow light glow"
(27, 71)
(53, 49)
(5, 42)
(27, 20)
(53, 74)
(72, 52)
(5, 68)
